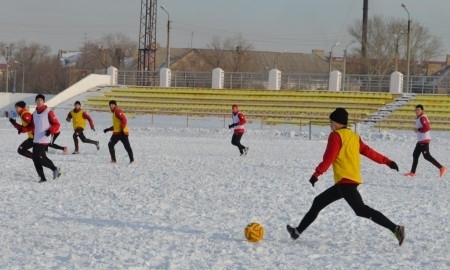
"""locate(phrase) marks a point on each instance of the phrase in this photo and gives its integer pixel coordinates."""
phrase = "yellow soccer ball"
(254, 232)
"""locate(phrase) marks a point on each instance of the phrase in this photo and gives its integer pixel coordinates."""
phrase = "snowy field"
(185, 203)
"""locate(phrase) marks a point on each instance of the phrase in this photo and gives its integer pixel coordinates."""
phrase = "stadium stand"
(436, 107)
(272, 107)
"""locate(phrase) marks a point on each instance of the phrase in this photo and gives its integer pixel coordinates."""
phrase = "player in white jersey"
(422, 130)
(238, 127)
(44, 123)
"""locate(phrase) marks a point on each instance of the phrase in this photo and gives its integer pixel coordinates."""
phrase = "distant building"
(187, 59)
(69, 58)
(241, 61)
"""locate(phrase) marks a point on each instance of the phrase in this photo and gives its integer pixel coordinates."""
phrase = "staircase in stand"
(388, 109)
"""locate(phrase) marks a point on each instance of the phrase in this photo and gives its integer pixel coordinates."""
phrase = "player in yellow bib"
(25, 117)
(79, 117)
(343, 154)
(120, 132)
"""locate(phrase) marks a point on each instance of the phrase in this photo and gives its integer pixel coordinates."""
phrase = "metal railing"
(304, 81)
(245, 80)
(259, 80)
(191, 79)
(132, 77)
(367, 83)
(429, 84)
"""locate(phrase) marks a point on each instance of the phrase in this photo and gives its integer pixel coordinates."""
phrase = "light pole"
(23, 74)
(345, 63)
(331, 54)
(100, 52)
(7, 68)
(397, 37)
(15, 79)
(408, 48)
(168, 37)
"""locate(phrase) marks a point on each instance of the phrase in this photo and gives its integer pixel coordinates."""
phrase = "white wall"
(7, 100)
(396, 83)
(274, 79)
(335, 81)
(89, 82)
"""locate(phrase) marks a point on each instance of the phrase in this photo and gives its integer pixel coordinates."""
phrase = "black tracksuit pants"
(350, 193)
(53, 144)
(24, 146)
(424, 149)
(236, 140)
(41, 160)
(126, 143)
(79, 133)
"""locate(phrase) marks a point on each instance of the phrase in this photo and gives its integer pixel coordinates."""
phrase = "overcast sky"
(281, 25)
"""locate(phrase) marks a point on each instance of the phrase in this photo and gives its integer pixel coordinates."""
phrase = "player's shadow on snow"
(107, 223)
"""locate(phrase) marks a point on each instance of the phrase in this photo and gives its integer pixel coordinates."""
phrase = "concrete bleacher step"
(384, 111)
(437, 108)
(281, 105)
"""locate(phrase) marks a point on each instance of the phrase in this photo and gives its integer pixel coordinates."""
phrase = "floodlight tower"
(147, 40)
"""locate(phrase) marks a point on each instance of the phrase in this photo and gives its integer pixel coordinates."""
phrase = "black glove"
(12, 120)
(47, 132)
(19, 130)
(393, 166)
(122, 132)
(232, 125)
(93, 129)
(106, 130)
(313, 180)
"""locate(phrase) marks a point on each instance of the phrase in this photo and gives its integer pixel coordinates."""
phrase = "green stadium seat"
(277, 106)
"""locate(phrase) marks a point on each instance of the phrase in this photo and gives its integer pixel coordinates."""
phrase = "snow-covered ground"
(185, 203)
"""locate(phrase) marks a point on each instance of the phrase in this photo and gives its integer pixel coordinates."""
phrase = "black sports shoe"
(97, 144)
(293, 232)
(400, 234)
(42, 181)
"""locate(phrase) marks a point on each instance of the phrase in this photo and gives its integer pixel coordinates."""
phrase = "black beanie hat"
(112, 102)
(21, 104)
(77, 102)
(40, 96)
(340, 115)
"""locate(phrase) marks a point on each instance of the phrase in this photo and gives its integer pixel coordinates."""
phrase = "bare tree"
(46, 77)
(26, 59)
(5, 51)
(43, 72)
(217, 51)
(110, 50)
(387, 41)
(231, 54)
(240, 48)
(91, 58)
(116, 47)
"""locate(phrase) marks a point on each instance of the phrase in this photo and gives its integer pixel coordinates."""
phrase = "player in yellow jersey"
(78, 117)
(343, 153)
(25, 117)
(120, 132)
